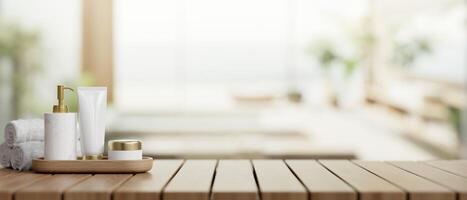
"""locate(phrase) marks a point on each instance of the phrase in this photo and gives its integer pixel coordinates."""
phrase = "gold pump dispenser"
(61, 107)
(60, 130)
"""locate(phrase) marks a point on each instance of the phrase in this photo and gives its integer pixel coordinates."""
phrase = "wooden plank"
(5, 172)
(97, 187)
(322, 184)
(277, 182)
(234, 180)
(192, 182)
(456, 183)
(149, 185)
(12, 183)
(368, 185)
(50, 188)
(417, 187)
(450, 166)
(464, 162)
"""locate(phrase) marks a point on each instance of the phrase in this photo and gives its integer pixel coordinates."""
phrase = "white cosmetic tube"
(92, 110)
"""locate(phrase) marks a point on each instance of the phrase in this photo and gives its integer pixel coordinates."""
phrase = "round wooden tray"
(103, 166)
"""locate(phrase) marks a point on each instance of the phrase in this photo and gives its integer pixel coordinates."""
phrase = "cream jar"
(125, 150)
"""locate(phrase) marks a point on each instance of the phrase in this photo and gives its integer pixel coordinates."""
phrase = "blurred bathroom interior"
(367, 79)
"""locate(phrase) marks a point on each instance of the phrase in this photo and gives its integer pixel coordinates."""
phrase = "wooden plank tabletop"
(456, 183)
(97, 187)
(148, 185)
(192, 182)
(234, 180)
(10, 184)
(251, 180)
(455, 167)
(418, 188)
(50, 188)
(276, 181)
(4, 172)
(367, 184)
(322, 184)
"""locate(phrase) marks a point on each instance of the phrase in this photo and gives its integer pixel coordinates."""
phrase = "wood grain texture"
(464, 162)
(5, 172)
(456, 183)
(12, 183)
(192, 182)
(50, 188)
(417, 187)
(322, 184)
(368, 185)
(451, 166)
(97, 187)
(234, 181)
(148, 186)
(92, 166)
(277, 182)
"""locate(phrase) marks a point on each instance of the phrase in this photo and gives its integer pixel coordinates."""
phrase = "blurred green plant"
(455, 118)
(406, 53)
(19, 48)
(329, 57)
(325, 54)
(328, 54)
(350, 64)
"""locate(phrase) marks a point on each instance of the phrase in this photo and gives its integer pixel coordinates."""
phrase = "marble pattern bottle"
(60, 131)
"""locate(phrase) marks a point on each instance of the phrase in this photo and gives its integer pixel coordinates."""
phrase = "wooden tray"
(92, 166)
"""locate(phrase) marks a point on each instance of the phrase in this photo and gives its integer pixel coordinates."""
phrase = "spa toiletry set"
(92, 108)
(125, 150)
(60, 130)
(24, 140)
(63, 144)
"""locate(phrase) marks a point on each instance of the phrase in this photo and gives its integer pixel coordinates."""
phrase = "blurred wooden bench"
(251, 179)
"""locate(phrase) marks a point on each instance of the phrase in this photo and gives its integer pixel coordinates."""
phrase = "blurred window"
(183, 54)
(197, 54)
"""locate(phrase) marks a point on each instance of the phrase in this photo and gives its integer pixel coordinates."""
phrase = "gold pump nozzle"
(61, 107)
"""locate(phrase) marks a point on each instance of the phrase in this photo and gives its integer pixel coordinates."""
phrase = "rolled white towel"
(5, 155)
(23, 153)
(24, 130)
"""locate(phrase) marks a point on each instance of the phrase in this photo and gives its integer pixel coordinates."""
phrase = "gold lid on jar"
(124, 145)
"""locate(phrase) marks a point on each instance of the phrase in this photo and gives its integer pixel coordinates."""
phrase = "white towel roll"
(23, 153)
(5, 155)
(24, 130)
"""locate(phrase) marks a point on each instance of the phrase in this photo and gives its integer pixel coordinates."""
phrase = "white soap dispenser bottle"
(60, 130)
